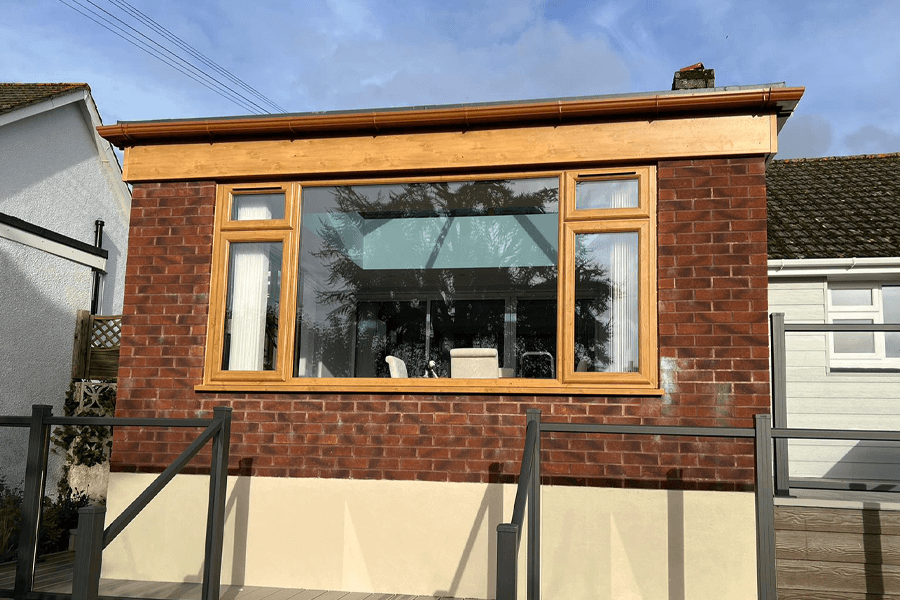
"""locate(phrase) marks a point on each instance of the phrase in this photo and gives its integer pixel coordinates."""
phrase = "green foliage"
(58, 517)
(10, 518)
(87, 445)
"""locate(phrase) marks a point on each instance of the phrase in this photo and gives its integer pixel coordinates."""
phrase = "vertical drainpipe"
(95, 292)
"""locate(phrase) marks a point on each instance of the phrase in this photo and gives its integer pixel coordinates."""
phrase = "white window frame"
(874, 313)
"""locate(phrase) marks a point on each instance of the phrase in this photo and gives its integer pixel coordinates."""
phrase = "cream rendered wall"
(440, 538)
(817, 398)
(52, 175)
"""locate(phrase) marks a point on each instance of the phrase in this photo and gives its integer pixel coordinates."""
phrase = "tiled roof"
(18, 95)
(839, 207)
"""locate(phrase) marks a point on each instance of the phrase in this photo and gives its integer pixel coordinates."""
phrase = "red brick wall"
(712, 336)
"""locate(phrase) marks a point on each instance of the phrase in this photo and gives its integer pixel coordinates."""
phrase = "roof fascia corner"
(93, 121)
(776, 100)
(841, 268)
(43, 106)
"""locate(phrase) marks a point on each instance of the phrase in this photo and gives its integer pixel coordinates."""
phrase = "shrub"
(58, 517)
(10, 520)
(87, 445)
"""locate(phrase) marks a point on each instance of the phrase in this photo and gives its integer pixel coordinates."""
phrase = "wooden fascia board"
(761, 100)
(434, 151)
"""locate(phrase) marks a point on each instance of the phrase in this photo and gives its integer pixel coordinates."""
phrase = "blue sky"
(347, 54)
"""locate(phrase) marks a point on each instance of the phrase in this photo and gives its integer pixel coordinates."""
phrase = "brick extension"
(713, 342)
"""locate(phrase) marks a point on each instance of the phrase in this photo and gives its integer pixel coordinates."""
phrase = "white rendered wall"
(817, 398)
(51, 175)
(439, 539)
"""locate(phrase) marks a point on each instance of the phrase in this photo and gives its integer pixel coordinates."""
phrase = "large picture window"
(531, 282)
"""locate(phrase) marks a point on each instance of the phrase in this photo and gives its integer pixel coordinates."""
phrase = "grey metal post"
(215, 519)
(507, 561)
(533, 589)
(88, 553)
(779, 402)
(35, 480)
(765, 510)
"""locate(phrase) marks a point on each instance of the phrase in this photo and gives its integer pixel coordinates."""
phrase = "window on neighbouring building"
(869, 304)
(319, 281)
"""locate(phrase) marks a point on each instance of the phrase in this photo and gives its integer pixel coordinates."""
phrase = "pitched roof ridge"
(43, 83)
(14, 96)
(836, 158)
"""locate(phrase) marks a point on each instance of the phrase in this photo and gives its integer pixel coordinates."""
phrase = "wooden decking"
(54, 576)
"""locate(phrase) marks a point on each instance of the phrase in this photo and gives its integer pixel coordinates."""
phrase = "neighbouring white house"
(58, 178)
(834, 257)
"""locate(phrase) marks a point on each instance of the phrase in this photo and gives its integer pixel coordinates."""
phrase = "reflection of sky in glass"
(851, 297)
(596, 247)
(451, 244)
(854, 342)
(379, 197)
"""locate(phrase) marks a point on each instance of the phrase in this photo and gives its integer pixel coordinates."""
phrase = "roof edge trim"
(45, 105)
(812, 267)
(780, 100)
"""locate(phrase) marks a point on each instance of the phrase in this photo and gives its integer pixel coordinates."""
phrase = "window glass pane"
(851, 297)
(854, 342)
(465, 324)
(257, 207)
(890, 297)
(606, 302)
(536, 338)
(465, 247)
(251, 307)
(611, 193)
(391, 328)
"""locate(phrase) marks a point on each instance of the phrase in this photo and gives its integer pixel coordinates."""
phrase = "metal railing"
(778, 330)
(765, 437)
(91, 538)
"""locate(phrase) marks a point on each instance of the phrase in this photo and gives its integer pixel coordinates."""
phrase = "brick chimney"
(694, 77)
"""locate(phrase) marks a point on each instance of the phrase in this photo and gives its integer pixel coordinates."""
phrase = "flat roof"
(774, 98)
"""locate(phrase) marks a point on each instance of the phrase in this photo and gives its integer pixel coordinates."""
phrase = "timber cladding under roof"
(775, 99)
(838, 207)
(14, 96)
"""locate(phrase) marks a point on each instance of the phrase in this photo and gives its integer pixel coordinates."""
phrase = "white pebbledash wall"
(55, 172)
(439, 539)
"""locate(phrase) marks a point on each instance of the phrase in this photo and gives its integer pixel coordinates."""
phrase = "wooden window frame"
(232, 231)
(641, 219)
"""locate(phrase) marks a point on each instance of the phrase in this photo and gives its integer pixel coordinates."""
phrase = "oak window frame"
(571, 221)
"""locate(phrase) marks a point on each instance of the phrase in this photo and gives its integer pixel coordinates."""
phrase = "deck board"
(54, 575)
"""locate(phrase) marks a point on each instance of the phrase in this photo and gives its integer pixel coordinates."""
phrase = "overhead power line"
(163, 51)
(192, 51)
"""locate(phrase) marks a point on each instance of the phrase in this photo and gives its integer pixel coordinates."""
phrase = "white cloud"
(345, 54)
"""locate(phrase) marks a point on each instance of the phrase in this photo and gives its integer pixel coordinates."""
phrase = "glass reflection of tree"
(592, 300)
(346, 279)
(470, 199)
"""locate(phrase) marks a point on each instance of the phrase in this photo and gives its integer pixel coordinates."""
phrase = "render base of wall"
(439, 538)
